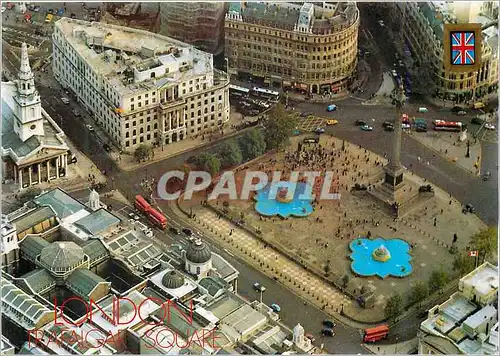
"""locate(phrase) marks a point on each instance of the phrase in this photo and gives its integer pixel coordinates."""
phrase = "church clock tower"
(29, 120)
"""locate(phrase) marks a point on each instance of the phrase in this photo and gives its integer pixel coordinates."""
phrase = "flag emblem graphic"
(463, 48)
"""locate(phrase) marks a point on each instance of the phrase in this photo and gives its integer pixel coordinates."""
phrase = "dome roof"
(172, 280)
(61, 255)
(198, 252)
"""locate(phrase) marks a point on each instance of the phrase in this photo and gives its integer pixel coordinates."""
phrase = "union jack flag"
(462, 48)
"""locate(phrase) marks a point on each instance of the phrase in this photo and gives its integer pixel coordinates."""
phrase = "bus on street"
(265, 93)
(441, 125)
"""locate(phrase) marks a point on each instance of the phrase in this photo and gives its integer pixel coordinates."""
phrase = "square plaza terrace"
(133, 60)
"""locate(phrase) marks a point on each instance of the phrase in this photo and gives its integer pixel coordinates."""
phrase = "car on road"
(73, 15)
(387, 123)
(389, 127)
(360, 122)
(134, 216)
(50, 11)
(65, 100)
(421, 128)
(319, 130)
(469, 208)
(329, 323)
(394, 73)
(305, 114)
(3, 9)
(187, 232)
(327, 332)
(89, 127)
(296, 132)
(366, 128)
(461, 113)
(331, 108)
(405, 126)
(486, 176)
(332, 122)
(106, 147)
(259, 287)
(174, 230)
(49, 18)
(423, 110)
(76, 113)
(489, 127)
(381, 23)
(275, 307)
(456, 109)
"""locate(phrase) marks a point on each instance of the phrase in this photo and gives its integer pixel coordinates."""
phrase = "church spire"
(26, 80)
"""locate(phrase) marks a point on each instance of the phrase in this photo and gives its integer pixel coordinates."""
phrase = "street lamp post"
(396, 347)
(467, 154)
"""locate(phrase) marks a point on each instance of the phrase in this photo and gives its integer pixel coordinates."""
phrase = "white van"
(65, 100)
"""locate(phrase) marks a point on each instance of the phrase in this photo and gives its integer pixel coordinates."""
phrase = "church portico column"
(57, 167)
(29, 174)
(15, 175)
(39, 173)
(48, 171)
(20, 174)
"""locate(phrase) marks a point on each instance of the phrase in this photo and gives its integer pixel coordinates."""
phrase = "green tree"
(463, 263)
(209, 162)
(252, 144)
(417, 293)
(29, 194)
(423, 81)
(486, 242)
(394, 306)
(279, 128)
(230, 153)
(437, 280)
(142, 153)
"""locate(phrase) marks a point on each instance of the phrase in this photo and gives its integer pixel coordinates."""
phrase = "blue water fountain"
(280, 198)
(380, 257)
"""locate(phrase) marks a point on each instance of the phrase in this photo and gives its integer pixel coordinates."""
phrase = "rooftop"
(23, 308)
(483, 279)
(53, 136)
(61, 202)
(97, 222)
(135, 250)
(187, 287)
(286, 15)
(62, 256)
(126, 56)
(83, 282)
(33, 218)
(37, 281)
(243, 321)
(126, 311)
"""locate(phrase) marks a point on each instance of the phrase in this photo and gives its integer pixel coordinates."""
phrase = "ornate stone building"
(33, 149)
(422, 29)
(303, 46)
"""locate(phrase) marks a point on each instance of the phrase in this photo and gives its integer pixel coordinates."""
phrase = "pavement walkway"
(449, 146)
(400, 348)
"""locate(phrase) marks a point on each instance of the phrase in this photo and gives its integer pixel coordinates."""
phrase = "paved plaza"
(323, 237)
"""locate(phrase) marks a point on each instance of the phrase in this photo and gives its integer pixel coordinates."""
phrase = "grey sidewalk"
(401, 348)
(449, 146)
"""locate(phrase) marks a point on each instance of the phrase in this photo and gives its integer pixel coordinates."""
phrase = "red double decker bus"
(377, 333)
(141, 204)
(157, 218)
(441, 125)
